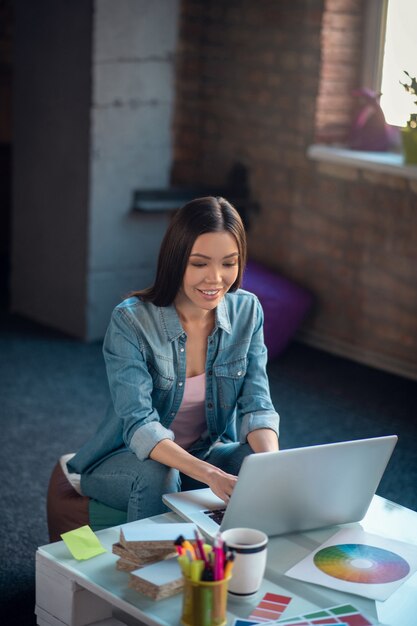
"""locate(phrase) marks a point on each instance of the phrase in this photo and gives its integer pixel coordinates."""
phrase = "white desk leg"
(63, 602)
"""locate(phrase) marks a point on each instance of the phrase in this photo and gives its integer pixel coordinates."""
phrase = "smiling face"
(211, 270)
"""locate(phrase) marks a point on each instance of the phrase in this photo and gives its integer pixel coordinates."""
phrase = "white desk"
(76, 593)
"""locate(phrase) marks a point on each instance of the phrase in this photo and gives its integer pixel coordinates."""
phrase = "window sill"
(384, 162)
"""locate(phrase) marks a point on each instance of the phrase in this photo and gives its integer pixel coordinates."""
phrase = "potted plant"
(409, 132)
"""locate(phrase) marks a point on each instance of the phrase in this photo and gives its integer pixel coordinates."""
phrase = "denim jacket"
(145, 355)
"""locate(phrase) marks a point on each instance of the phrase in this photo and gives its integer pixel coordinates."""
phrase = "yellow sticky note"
(82, 543)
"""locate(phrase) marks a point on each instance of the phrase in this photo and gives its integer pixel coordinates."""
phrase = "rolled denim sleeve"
(131, 387)
(255, 408)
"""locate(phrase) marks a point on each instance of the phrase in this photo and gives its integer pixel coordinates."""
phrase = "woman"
(186, 363)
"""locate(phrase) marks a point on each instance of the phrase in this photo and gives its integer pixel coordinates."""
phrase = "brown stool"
(66, 509)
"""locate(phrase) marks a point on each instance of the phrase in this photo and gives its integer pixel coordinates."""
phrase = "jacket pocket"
(161, 385)
(230, 377)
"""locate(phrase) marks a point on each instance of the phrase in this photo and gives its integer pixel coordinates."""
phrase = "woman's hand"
(169, 453)
(221, 483)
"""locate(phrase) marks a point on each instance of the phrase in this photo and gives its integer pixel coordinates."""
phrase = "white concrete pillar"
(94, 94)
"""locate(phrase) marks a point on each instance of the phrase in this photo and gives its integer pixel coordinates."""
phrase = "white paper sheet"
(357, 562)
(137, 531)
(161, 573)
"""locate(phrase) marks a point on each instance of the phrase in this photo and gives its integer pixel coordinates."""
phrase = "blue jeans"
(125, 483)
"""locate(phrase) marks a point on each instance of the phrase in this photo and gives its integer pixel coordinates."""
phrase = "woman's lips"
(209, 294)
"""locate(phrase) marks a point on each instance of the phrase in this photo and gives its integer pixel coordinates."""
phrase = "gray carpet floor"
(53, 393)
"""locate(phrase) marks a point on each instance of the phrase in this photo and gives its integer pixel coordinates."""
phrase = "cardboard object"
(146, 551)
(134, 558)
(159, 580)
(142, 544)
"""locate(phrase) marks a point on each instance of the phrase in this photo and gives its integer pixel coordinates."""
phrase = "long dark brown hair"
(202, 215)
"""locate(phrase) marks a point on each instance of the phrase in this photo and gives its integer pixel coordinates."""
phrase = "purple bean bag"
(285, 305)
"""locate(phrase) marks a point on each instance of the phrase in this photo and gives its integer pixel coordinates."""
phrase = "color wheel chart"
(354, 561)
(361, 563)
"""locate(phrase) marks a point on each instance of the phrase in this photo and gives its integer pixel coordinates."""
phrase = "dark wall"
(6, 40)
(52, 99)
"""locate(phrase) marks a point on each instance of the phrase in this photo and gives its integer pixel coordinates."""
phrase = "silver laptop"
(293, 490)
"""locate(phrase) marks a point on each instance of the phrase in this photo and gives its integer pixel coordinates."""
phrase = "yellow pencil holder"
(204, 603)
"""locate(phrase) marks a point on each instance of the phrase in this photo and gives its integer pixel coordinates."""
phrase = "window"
(390, 48)
(357, 39)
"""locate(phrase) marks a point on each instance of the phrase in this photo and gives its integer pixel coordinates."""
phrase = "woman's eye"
(193, 264)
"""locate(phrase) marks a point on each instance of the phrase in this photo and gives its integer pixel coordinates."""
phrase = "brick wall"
(251, 88)
(341, 43)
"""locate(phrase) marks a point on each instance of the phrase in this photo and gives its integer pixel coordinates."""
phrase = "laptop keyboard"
(216, 515)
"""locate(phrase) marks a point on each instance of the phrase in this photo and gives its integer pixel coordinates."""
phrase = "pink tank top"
(190, 421)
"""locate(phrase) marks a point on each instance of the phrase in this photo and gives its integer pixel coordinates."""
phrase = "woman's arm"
(255, 409)
(169, 453)
(131, 385)
(263, 440)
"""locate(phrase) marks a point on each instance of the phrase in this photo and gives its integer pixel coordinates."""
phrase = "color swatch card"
(357, 562)
(342, 615)
(269, 609)
(241, 621)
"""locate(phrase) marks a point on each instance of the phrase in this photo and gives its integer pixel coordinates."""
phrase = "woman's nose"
(213, 275)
